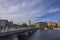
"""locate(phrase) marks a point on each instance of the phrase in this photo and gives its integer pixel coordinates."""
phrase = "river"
(39, 35)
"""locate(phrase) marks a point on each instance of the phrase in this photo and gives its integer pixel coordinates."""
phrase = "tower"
(29, 23)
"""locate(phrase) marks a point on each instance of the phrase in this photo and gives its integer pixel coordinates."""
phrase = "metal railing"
(8, 29)
(11, 29)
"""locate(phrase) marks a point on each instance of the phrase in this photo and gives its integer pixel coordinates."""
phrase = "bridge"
(18, 32)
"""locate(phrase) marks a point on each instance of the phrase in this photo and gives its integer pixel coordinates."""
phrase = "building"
(29, 23)
(41, 25)
(3, 22)
(9, 24)
(37, 25)
(58, 24)
(52, 25)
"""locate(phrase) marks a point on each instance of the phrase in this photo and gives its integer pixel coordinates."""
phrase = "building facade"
(52, 25)
(58, 24)
(41, 25)
(5, 24)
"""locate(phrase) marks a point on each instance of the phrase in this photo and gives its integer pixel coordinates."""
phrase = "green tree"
(32, 25)
(16, 25)
(58, 21)
(24, 25)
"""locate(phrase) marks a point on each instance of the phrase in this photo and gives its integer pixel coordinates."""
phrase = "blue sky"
(20, 11)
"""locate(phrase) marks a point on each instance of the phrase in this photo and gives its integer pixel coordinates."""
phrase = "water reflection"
(46, 35)
(14, 37)
(9, 38)
(39, 35)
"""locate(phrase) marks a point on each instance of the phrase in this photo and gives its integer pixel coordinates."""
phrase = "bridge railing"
(8, 29)
(11, 29)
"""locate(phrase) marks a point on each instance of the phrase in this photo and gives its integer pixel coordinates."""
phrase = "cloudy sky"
(21, 11)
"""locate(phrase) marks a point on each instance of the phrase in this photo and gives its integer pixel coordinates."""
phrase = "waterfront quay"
(38, 31)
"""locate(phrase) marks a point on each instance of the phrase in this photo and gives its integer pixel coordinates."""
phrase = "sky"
(21, 11)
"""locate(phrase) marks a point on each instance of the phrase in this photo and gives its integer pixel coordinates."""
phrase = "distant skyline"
(20, 11)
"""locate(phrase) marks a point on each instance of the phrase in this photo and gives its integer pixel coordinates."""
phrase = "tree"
(58, 21)
(16, 25)
(32, 25)
(24, 25)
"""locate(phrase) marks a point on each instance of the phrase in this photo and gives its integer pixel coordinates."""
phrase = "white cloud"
(53, 10)
(18, 12)
(22, 10)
